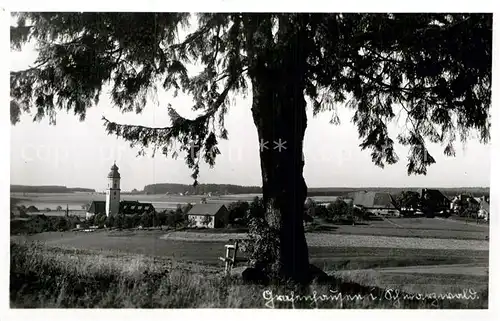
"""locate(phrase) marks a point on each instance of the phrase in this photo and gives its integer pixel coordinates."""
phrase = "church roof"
(114, 172)
(97, 207)
(135, 207)
(126, 207)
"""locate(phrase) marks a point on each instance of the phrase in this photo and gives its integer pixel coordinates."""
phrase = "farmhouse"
(435, 201)
(113, 206)
(463, 204)
(377, 203)
(209, 215)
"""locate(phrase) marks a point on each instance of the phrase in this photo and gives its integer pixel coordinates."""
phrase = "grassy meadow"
(44, 277)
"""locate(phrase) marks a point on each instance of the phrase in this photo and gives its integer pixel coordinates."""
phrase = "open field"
(346, 240)
(400, 227)
(48, 277)
(159, 201)
(410, 227)
(325, 250)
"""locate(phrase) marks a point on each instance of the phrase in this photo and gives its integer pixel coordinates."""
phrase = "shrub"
(129, 221)
(62, 224)
(162, 218)
(207, 219)
(238, 212)
(100, 220)
(110, 222)
(321, 211)
(22, 212)
(262, 243)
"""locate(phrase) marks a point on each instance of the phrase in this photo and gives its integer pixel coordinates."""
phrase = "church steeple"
(113, 191)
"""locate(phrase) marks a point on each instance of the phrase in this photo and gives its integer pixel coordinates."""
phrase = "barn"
(209, 215)
(377, 203)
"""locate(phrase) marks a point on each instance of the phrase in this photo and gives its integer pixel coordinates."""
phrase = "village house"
(484, 211)
(209, 215)
(378, 203)
(435, 201)
(113, 206)
(465, 204)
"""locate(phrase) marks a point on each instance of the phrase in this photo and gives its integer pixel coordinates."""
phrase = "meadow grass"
(43, 277)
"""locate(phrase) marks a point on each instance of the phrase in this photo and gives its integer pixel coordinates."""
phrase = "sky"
(80, 154)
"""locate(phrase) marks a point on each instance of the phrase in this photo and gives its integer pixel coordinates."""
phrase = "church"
(113, 206)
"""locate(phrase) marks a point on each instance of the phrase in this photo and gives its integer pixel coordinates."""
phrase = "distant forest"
(201, 189)
(47, 189)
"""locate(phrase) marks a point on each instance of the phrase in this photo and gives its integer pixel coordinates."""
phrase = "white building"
(209, 215)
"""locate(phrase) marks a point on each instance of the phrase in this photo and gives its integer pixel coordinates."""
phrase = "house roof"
(485, 205)
(434, 194)
(373, 200)
(97, 207)
(126, 207)
(206, 209)
(135, 207)
(468, 198)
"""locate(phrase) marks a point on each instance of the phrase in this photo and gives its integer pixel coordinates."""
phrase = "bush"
(161, 218)
(62, 224)
(238, 212)
(129, 221)
(321, 211)
(110, 222)
(23, 213)
(262, 243)
(360, 214)
(100, 220)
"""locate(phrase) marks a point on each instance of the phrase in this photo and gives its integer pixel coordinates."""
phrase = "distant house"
(434, 201)
(463, 204)
(126, 208)
(377, 203)
(209, 215)
(484, 211)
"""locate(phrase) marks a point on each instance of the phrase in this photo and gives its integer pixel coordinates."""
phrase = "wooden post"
(230, 258)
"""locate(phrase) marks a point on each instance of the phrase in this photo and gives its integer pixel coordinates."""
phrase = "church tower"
(113, 192)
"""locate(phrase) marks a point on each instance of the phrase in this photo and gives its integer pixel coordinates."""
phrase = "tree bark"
(279, 113)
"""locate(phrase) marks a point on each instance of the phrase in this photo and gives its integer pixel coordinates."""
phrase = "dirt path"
(342, 240)
(453, 269)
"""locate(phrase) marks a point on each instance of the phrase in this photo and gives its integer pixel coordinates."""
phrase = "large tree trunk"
(279, 113)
